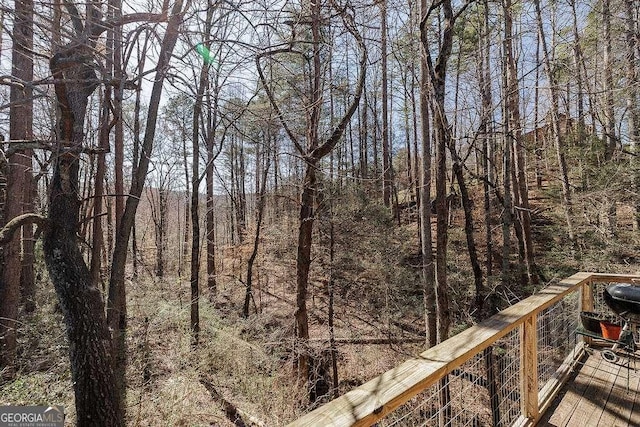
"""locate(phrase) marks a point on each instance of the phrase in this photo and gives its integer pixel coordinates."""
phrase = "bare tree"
(386, 148)
(261, 192)
(633, 88)
(437, 72)
(73, 68)
(428, 268)
(116, 306)
(555, 123)
(315, 150)
(17, 169)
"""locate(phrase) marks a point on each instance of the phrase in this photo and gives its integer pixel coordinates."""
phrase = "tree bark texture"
(97, 396)
(17, 170)
(303, 264)
(428, 268)
(28, 274)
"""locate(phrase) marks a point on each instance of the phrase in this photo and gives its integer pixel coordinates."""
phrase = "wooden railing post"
(586, 300)
(587, 304)
(529, 368)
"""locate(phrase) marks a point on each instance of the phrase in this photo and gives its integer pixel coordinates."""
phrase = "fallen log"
(238, 417)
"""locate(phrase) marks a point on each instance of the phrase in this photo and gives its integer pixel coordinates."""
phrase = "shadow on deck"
(599, 393)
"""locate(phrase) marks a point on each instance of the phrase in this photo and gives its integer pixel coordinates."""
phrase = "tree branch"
(75, 16)
(6, 233)
(337, 133)
(128, 19)
(16, 145)
(272, 99)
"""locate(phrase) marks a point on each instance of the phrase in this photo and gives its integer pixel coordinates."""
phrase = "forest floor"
(244, 367)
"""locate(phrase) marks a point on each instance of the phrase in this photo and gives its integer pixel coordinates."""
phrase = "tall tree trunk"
(313, 153)
(98, 193)
(578, 61)
(137, 131)
(19, 165)
(7, 355)
(260, 203)
(468, 230)
(23, 40)
(555, 125)
(97, 394)
(486, 132)
(103, 135)
(335, 390)
(203, 86)
(386, 149)
(240, 205)
(195, 236)
(364, 138)
(609, 113)
(519, 179)
(508, 74)
(633, 83)
(303, 263)
(28, 274)
(426, 246)
(187, 211)
(442, 134)
(538, 138)
(374, 137)
(116, 304)
(161, 229)
(118, 141)
(212, 124)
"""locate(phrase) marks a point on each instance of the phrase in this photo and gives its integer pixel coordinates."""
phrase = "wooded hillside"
(228, 213)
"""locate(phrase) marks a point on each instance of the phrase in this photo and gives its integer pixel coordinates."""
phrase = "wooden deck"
(600, 393)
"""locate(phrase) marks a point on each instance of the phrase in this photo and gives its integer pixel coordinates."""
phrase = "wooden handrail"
(375, 399)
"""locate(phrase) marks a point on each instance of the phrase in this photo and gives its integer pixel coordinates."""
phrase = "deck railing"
(505, 371)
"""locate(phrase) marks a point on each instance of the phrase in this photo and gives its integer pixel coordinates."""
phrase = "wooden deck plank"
(620, 405)
(627, 401)
(617, 408)
(571, 396)
(634, 417)
(598, 397)
(594, 396)
(594, 400)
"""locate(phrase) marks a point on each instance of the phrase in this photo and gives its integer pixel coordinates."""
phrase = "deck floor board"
(601, 394)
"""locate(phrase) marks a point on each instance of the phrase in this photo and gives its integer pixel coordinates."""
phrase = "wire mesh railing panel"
(484, 391)
(505, 400)
(556, 330)
(420, 410)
